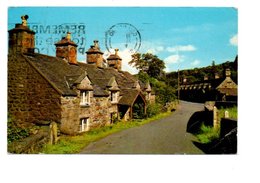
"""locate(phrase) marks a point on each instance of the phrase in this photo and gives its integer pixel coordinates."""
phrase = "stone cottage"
(217, 89)
(77, 96)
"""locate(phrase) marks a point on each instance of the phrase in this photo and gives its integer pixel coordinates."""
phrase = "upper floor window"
(114, 97)
(84, 97)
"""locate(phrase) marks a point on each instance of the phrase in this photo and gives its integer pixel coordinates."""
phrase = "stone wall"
(30, 145)
(70, 110)
(30, 97)
(99, 112)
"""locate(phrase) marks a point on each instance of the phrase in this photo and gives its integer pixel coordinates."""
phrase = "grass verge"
(207, 134)
(232, 112)
(74, 144)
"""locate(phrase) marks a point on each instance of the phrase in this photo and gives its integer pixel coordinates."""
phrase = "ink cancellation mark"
(123, 36)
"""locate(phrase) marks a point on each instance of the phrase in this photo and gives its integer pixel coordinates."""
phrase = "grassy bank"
(207, 134)
(74, 144)
(232, 112)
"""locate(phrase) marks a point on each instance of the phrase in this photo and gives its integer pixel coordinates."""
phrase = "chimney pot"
(116, 51)
(68, 36)
(96, 44)
(24, 20)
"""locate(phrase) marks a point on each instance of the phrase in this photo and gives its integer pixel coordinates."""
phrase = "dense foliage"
(15, 132)
(151, 69)
(148, 63)
(197, 74)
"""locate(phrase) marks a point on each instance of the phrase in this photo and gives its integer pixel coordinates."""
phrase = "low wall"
(31, 144)
(226, 125)
(219, 104)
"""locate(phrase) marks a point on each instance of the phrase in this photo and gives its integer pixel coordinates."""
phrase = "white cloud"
(234, 40)
(181, 48)
(173, 59)
(155, 50)
(151, 47)
(195, 62)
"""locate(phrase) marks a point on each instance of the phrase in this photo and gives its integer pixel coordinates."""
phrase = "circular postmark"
(123, 36)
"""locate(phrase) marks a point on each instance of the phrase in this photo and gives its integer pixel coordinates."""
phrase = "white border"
(147, 168)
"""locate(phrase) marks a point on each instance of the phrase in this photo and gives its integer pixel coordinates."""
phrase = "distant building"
(77, 96)
(217, 89)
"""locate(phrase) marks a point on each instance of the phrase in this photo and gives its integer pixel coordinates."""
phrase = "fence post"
(215, 118)
(53, 132)
(226, 114)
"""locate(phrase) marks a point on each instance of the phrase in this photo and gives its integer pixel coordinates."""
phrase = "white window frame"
(84, 124)
(114, 97)
(149, 96)
(84, 98)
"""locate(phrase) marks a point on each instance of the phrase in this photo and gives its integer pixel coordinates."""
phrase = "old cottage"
(77, 96)
(217, 89)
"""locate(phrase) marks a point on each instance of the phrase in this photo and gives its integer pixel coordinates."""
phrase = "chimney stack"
(67, 49)
(228, 73)
(216, 76)
(95, 55)
(115, 61)
(206, 78)
(21, 38)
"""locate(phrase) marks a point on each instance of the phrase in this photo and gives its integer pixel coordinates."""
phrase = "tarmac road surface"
(164, 136)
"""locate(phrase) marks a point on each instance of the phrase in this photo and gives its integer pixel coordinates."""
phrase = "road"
(164, 136)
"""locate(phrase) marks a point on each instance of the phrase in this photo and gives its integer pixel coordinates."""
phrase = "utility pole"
(178, 86)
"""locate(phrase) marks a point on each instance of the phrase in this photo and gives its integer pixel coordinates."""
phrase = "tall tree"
(149, 63)
(139, 62)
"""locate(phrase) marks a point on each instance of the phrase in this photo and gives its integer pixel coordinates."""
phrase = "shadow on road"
(196, 121)
(223, 145)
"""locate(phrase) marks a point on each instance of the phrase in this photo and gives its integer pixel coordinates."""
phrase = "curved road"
(164, 136)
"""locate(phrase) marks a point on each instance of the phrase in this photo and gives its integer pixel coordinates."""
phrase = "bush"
(15, 132)
(207, 134)
(153, 109)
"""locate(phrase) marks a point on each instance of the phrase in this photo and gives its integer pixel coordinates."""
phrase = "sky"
(183, 38)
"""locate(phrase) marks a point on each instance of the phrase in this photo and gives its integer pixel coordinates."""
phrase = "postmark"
(124, 36)
(48, 34)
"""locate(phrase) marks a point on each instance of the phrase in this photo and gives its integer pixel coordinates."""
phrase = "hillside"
(197, 74)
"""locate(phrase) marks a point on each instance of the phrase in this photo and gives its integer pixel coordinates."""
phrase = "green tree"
(149, 63)
(139, 62)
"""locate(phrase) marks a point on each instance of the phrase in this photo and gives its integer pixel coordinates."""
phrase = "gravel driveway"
(164, 136)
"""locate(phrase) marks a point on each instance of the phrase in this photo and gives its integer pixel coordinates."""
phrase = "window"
(148, 95)
(114, 97)
(84, 97)
(84, 125)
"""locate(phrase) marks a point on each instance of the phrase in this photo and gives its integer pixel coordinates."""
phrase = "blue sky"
(182, 37)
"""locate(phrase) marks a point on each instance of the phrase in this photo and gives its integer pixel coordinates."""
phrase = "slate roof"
(228, 91)
(223, 85)
(128, 96)
(63, 76)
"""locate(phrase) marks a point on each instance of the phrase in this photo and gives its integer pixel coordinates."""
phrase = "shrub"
(15, 132)
(207, 134)
(153, 109)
